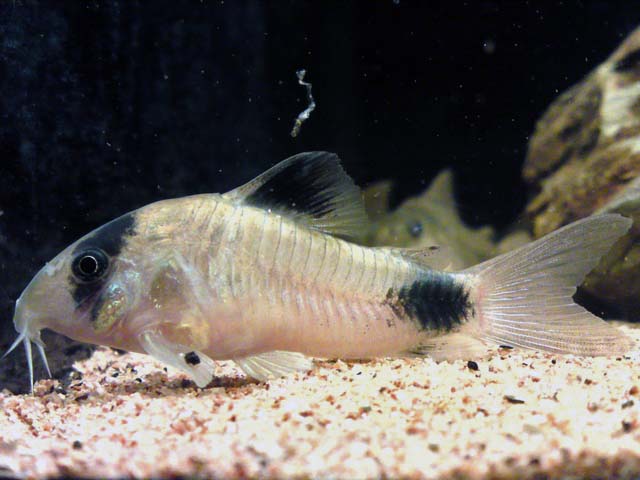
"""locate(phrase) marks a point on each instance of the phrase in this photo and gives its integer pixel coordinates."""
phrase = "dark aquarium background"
(108, 106)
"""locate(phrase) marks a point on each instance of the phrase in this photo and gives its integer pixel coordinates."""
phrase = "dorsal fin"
(310, 188)
(440, 192)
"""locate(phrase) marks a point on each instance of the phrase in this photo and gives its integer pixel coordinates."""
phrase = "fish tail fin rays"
(524, 298)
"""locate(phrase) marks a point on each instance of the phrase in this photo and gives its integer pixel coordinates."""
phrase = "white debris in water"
(304, 115)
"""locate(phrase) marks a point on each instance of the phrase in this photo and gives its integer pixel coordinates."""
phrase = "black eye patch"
(93, 255)
(110, 237)
(90, 265)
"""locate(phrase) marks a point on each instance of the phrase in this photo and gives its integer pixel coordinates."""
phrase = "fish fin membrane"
(173, 355)
(524, 298)
(269, 365)
(311, 188)
(451, 346)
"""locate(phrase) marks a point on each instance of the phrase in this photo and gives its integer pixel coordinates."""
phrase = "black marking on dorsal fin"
(436, 300)
(311, 188)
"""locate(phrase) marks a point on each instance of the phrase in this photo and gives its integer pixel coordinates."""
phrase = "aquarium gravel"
(517, 414)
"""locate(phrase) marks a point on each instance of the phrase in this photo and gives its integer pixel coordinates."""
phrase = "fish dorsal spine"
(312, 189)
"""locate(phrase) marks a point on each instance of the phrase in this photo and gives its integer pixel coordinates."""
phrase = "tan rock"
(583, 158)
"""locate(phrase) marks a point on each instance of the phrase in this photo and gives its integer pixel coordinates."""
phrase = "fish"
(430, 218)
(267, 275)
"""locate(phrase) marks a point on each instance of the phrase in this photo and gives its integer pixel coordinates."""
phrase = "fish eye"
(90, 265)
(415, 229)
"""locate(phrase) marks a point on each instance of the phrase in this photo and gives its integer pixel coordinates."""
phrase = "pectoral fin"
(275, 364)
(195, 364)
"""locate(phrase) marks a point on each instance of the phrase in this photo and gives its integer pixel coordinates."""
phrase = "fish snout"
(41, 305)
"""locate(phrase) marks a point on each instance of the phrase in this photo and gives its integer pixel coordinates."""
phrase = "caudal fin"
(524, 298)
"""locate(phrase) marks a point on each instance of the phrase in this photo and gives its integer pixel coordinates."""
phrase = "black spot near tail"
(437, 301)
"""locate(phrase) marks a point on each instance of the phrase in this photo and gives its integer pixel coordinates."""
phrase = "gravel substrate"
(518, 414)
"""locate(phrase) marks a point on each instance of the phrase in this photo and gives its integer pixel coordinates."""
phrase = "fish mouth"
(28, 333)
